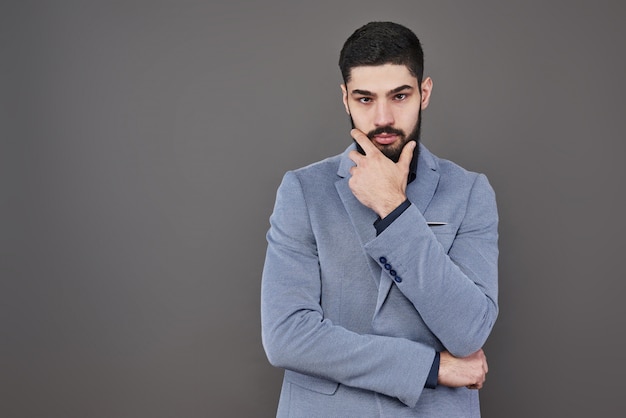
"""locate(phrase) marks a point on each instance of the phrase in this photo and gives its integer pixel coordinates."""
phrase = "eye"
(400, 96)
(365, 100)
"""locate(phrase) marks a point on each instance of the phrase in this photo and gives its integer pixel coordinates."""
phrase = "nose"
(384, 115)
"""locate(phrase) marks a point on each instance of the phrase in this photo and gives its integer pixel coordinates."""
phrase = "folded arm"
(296, 334)
(455, 292)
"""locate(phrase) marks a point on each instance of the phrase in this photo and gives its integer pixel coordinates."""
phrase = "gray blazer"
(355, 319)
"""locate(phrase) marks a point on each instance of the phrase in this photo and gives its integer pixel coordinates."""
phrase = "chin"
(393, 151)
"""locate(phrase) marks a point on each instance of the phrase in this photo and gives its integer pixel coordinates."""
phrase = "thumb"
(407, 155)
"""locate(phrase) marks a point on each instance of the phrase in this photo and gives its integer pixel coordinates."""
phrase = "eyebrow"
(389, 93)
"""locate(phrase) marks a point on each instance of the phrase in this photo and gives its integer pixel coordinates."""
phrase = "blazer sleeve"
(296, 335)
(455, 292)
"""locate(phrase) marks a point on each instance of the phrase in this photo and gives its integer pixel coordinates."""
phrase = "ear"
(426, 89)
(344, 93)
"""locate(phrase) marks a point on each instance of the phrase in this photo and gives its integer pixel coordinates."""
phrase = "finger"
(407, 155)
(363, 141)
(355, 156)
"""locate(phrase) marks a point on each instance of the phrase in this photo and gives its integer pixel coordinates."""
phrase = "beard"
(393, 151)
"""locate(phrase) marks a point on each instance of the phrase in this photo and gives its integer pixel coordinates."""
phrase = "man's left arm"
(454, 292)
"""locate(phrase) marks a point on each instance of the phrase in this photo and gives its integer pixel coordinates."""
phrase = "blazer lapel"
(361, 216)
(421, 191)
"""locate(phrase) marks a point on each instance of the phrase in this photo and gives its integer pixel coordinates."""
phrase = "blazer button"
(392, 272)
(383, 260)
(398, 279)
(387, 266)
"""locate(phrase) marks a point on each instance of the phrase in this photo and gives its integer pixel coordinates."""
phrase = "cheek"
(409, 122)
(360, 121)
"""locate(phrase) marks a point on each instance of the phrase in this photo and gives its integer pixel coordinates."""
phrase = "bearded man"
(380, 282)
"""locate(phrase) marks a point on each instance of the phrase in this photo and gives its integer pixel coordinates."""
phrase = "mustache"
(385, 130)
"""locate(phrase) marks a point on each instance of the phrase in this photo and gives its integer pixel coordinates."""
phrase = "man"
(380, 281)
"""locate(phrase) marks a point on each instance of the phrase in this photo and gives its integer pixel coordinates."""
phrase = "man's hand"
(468, 371)
(378, 182)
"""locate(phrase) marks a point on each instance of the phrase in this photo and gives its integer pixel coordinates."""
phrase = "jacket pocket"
(445, 234)
(316, 384)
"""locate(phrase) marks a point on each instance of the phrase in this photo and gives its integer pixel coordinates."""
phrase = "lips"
(385, 139)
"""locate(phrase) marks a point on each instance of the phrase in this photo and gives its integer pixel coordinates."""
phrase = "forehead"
(380, 77)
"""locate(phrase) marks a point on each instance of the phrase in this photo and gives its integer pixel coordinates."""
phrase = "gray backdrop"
(142, 144)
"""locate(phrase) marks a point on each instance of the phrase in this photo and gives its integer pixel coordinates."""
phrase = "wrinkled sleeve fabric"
(296, 335)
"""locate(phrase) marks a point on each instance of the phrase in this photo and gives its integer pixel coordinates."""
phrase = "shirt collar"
(413, 165)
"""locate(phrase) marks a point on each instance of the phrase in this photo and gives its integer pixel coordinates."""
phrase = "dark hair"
(378, 43)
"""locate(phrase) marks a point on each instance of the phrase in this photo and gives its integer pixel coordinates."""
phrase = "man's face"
(384, 102)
